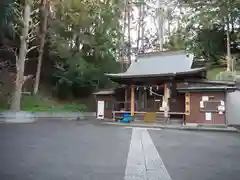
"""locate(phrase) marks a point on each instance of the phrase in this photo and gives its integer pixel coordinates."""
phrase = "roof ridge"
(161, 53)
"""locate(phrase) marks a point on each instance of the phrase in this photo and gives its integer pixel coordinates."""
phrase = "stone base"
(192, 124)
(29, 117)
(17, 117)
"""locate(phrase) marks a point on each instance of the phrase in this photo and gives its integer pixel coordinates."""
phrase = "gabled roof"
(206, 85)
(159, 64)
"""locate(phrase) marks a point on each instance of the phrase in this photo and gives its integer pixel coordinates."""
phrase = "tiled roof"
(206, 88)
(159, 63)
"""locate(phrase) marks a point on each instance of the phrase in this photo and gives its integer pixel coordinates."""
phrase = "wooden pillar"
(166, 96)
(132, 101)
(187, 108)
(126, 99)
(145, 100)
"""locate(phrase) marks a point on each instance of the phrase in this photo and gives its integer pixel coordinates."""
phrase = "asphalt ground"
(199, 155)
(62, 150)
(71, 150)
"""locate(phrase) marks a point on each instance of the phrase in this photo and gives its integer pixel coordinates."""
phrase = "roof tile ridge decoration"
(161, 53)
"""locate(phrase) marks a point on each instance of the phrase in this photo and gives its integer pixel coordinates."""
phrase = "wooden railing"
(139, 115)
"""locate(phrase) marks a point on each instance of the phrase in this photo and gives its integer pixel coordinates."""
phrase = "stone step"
(176, 121)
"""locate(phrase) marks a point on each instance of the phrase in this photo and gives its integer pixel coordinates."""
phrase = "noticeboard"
(210, 106)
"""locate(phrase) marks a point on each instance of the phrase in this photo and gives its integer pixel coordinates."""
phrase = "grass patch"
(40, 103)
(212, 73)
(3, 109)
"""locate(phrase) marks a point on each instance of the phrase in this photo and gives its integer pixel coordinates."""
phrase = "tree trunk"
(43, 27)
(169, 25)
(77, 44)
(123, 47)
(232, 19)
(142, 25)
(20, 62)
(229, 57)
(129, 30)
(139, 27)
(160, 19)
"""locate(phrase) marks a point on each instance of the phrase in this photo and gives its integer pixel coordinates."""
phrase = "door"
(100, 110)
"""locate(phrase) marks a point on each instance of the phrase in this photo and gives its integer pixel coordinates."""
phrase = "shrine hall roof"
(159, 63)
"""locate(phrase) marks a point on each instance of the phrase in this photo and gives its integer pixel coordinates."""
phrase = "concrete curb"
(17, 117)
(176, 127)
(30, 117)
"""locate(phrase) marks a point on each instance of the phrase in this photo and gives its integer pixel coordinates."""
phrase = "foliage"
(7, 19)
(176, 41)
(85, 35)
(84, 40)
(209, 44)
(208, 25)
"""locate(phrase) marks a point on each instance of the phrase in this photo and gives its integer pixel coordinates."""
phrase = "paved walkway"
(144, 161)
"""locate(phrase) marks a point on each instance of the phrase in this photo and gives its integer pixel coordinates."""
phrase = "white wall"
(233, 108)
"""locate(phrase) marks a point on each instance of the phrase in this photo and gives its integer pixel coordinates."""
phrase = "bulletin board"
(209, 104)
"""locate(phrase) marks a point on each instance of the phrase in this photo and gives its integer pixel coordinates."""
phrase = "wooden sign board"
(187, 104)
(150, 116)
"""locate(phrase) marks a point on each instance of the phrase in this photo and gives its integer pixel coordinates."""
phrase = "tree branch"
(27, 77)
(33, 26)
(30, 49)
(35, 11)
(31, 34)
(58, 66)
(19, 15)
(31, 39)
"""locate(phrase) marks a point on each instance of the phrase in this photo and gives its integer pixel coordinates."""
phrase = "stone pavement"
(144, 161)
(220, 128)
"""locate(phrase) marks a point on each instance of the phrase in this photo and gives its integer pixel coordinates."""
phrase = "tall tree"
(44, 10)
(123, 45)
(129, 9)
(20, 60)
(139, 27)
